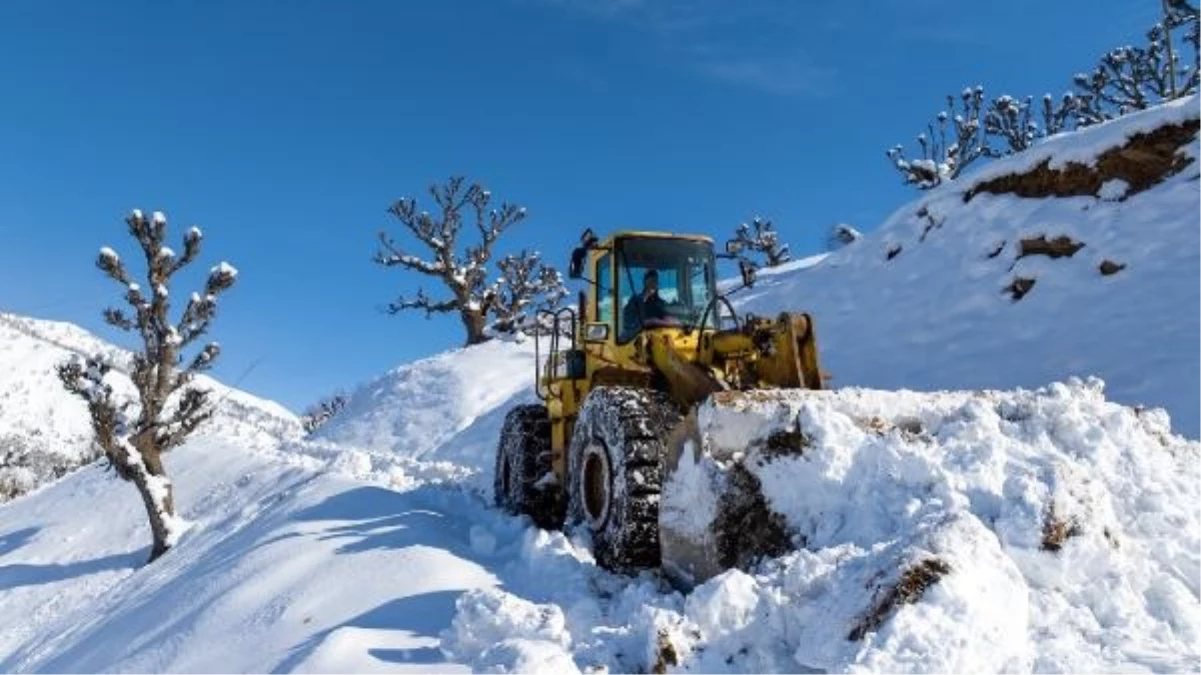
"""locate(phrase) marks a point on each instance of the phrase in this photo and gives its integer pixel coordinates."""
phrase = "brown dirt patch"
(1059, 247)
(665, 654)
(1145, 160)
(909, 589)
(1057, 530)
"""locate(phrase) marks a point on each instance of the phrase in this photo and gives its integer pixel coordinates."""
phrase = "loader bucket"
(712, 513)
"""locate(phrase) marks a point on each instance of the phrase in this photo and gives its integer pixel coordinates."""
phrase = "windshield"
(663, 282)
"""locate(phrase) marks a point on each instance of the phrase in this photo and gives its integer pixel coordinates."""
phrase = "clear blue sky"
(284, 129)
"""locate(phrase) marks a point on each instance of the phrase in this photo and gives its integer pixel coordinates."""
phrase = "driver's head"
(650, 281)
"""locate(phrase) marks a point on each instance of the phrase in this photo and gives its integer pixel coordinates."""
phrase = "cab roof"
(656, 234)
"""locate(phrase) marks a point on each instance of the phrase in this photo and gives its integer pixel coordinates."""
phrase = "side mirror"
(734, 247)
(575, 270)
(747, 270)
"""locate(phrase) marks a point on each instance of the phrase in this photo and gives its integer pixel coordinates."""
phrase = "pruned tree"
(842, 235)
(942, 159)
(462, 269)
(526, 285)
(1130, 78)
(135, 432)
(1126, 79)
(316, 415)
(760, 237)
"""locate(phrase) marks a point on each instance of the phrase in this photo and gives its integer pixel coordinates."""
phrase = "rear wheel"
(525, 482)
(615, 470)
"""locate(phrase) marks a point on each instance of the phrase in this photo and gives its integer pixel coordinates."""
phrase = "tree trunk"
(474, 321)
(158, 496)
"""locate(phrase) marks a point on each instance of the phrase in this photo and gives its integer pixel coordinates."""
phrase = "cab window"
(604, 289)
(662, 282)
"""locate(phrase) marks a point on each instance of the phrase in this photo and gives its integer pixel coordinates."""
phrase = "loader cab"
(644, 281)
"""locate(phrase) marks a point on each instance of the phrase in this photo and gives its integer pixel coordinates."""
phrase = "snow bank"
(1060, 530)
(418, 409)
(920, 302)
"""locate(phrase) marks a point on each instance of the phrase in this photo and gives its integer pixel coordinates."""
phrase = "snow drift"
(418, 409)
(987, 531)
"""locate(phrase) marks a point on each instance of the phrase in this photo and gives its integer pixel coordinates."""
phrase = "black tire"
(524, 483)
(615, 472)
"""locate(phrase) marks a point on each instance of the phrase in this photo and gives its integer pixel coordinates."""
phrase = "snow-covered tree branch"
(316, 415)
(526, 285)
(1126, 79)
(461, 268)
(167, 410)
(760, 237)
(942, 161)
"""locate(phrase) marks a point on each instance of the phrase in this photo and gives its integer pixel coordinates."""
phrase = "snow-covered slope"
(44, 431)
(291, 565)
(448, 407)
(936, 315)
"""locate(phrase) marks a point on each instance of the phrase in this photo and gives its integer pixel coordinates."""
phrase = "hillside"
(416, 410)
(928, 300)
(1024, 520)
(44, 431)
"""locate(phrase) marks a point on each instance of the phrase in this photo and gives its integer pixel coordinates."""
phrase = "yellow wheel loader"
(650, 339)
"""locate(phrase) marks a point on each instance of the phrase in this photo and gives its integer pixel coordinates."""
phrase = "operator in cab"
(647, 309)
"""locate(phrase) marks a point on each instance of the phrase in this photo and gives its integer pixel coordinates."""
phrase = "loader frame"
(689, 363)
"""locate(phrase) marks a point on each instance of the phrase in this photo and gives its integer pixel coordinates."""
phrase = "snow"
(957, 432)
(224, 268)
(446, 407)
(158, 218)
(166, 252)
(108, 253)
(889, 478)
(193, 233)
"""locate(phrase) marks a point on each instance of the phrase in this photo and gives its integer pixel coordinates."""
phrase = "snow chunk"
(108, 253)
(166, 252)
(194, 233)
(494, 631)
(224, 268)
(158, 218)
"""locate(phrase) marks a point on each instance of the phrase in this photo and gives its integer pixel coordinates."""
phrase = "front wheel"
(615, 470)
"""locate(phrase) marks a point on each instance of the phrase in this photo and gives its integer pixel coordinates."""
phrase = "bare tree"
(461, 269)
(526, 284)
(1126, 79)
(1131, 78)
(759, 236)
(942, 160)
(134, 434)
(316, 415)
